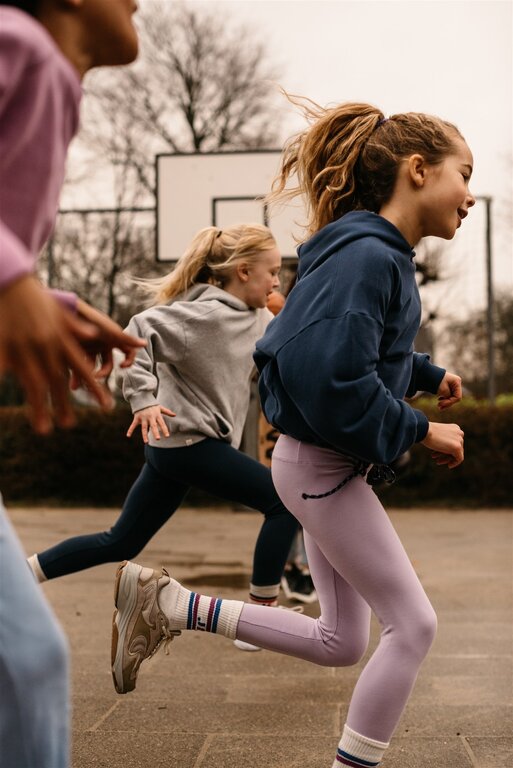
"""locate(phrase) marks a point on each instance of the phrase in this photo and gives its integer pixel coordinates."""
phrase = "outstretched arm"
(41, 342)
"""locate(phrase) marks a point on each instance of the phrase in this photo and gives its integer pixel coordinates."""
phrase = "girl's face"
(260, 279)
(447, 194)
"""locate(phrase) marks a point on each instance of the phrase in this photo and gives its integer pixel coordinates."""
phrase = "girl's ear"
(417, 167)
(242, 271)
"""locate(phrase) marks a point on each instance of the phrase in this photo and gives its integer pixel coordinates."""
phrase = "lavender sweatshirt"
(40, 94)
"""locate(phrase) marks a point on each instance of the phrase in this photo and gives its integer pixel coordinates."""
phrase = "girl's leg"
(34, 684)
(355, 535)
(150, 503)
(357, 561)
(214, 466)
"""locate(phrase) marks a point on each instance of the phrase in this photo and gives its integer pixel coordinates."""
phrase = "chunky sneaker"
(298, 585)
(138, 624)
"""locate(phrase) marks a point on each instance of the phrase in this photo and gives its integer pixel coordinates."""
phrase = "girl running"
(335, 366)
(200, 335)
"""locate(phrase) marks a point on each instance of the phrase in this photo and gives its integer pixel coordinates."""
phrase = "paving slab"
(208, 705)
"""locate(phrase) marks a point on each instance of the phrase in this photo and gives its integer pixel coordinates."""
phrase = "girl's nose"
(471, 200)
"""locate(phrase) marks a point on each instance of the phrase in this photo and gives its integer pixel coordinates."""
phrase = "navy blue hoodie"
(338, 360)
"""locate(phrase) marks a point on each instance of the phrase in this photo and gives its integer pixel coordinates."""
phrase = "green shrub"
(486, 476)
(95, 464)
(92, 464)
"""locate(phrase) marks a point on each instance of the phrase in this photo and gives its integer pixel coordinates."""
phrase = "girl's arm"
(164, 344)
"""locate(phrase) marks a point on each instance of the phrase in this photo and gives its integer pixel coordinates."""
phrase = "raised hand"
(449, 391)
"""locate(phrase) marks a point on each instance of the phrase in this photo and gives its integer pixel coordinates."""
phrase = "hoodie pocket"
(224, 428)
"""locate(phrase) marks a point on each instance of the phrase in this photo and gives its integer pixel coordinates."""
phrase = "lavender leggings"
(358, 565)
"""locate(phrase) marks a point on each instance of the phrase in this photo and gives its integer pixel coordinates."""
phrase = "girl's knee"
(419, 633)
(427, 628)
(344, 650)
(120, 549)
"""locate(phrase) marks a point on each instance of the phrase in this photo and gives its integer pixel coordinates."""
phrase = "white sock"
(36, 569)
(189, 610)
(264, 595)
(356, 750)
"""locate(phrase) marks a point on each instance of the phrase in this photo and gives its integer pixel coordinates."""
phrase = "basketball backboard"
(198, 190)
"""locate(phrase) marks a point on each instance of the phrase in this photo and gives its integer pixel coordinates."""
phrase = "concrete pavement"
(209, 705)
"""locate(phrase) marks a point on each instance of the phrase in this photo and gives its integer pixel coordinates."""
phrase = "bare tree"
(200, 84)
(467, 345)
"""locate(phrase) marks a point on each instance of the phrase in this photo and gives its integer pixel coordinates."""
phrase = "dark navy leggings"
(210, 465)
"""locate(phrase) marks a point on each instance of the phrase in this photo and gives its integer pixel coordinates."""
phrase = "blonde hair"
(349, 157)
(211, 258)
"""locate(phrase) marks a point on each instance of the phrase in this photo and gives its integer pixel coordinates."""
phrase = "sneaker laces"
(167, 636)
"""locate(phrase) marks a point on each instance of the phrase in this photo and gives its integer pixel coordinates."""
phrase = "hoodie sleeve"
(166, 344)
(425, 377)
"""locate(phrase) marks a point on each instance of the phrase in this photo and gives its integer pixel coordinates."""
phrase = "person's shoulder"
(371, 254)
(23, 39)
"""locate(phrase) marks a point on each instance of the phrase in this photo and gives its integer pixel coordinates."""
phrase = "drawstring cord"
(378, 473)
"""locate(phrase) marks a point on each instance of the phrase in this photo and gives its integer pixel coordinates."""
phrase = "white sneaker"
(242, 646)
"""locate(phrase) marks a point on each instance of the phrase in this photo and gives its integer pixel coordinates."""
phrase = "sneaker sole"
(125, 597)
(248, 647)
(299, 596)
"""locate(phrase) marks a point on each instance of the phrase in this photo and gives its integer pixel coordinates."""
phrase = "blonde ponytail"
(210, 258)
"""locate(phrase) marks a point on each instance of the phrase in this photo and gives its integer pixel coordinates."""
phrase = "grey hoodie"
(198, 362)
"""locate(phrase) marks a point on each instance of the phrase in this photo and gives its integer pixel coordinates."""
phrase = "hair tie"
(219, 234)
(383, 120)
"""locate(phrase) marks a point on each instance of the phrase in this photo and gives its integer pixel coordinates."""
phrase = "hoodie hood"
(205, 292)
(346, 231)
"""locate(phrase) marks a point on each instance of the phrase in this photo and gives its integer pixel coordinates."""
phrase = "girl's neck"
(67, 36)
(404, 219)
(236, 288)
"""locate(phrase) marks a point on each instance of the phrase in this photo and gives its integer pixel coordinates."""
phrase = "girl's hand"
(449, 391)
(446, 443)
(40, 342)
(108, 335)
(150, 418)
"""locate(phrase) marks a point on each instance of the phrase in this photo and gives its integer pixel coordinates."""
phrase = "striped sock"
(190, 610)
(264, 595)
(358, 751)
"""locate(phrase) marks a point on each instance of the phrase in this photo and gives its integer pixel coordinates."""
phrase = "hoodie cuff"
(422, 425)
(142, 400)
(430, 377)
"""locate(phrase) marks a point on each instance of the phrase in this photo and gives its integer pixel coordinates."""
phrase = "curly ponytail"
(349, 157)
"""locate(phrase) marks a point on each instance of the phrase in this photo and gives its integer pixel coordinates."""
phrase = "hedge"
(95, 464)
(485, 478)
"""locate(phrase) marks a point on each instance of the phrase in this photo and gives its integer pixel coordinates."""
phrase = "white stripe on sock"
(362, 747)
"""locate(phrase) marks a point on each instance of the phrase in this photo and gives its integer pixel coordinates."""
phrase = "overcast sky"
(451, 58)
